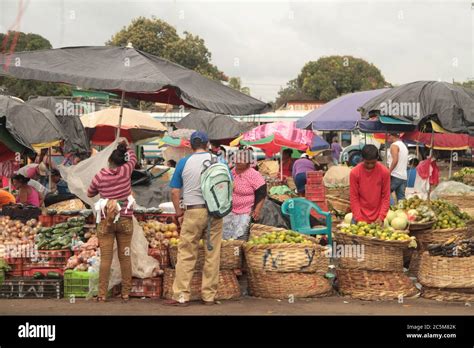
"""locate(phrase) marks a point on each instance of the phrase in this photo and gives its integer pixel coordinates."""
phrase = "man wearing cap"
(187, 180)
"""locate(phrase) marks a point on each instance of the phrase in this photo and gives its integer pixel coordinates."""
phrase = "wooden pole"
(450, 164)
(50, 167)
(120, 114)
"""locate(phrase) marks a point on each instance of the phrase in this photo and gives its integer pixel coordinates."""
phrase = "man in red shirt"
(370, 188)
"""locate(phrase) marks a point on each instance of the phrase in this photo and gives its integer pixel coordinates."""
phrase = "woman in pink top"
(26, 194)
(248, 197)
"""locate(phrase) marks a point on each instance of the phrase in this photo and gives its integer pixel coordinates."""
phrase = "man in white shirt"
(397, 165)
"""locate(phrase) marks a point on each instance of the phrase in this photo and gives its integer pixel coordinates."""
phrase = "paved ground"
(334, 305)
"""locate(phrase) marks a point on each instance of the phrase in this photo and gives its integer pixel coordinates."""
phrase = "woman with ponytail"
(113, 184)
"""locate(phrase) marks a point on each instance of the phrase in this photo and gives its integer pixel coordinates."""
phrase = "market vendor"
(248, 197)
(6, 198)
(300, 168)
(370, 188)
(286, 162)
(114, 185)
(26, 194)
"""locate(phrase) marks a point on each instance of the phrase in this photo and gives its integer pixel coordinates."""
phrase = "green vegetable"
(61, 225)
(59, 231)
(76, 219)
(38, 275)
(44, 230)
(74, 230)
(53, 275)
(42, 244)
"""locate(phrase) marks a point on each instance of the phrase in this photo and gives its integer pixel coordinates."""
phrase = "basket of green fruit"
(285, 251)
(382, 247)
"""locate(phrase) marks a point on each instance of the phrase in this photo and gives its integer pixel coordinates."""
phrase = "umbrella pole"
(431, 154)
(387, 149)
(50, 167)
(450, 164)
(120, 114)
(281, 164)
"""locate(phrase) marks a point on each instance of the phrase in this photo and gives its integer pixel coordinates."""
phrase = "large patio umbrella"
(452, 106)
(29, 125)
(131, 72)
(340, 114)
(135, 126)
(217, 126)
(75, 135)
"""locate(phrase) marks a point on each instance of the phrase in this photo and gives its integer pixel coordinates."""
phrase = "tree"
(290, 92)
(330, 77)
(157, 37)
(26, 88)
(236, 83)
(466, 84)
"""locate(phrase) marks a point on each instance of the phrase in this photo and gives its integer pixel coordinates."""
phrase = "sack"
(217, 186)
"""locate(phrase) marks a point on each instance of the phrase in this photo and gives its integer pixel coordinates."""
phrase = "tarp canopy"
(340, 114)
(216, 126)
(451, 105)
(441, 141)
(124, 69)
(101, 126)
(30, 125)
(75, 135)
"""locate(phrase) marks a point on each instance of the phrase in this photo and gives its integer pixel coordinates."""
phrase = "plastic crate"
(76, 283)
(46, 220)
(29, 272)
(316, 175)
(315, 190)
(148, 287)
(2, 276)
(17, 266)
(51, 258)
(31, 288)
(58, 218)
(162, 255)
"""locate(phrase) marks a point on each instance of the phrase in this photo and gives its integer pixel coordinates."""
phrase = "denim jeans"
(399, 186)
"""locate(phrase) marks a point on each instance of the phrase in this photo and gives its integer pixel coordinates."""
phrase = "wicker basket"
(286, 257)
(227, 289)
(374, 285)
(231, 255)
(378, 255)
(256, 230)
(416, 226)
(462, 201)
(339, 192)
(287, 285)
(338, 204)
(446, 272)
(464, 295)
(414, 266)
(425, 237)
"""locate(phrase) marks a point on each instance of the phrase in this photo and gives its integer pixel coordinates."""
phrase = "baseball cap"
(199, 135)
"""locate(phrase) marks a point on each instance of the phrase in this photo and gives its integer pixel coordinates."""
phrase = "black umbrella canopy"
(76, 139)
(451, 105)
(216, 126)
(29, 125)
(125, 69)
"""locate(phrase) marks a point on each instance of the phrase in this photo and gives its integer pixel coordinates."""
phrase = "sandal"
(125, 299)
(100, 299)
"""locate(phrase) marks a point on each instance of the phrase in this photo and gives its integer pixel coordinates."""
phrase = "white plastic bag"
(451, 188)
(337, 176)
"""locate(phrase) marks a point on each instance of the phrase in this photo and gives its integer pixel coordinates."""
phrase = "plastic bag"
(337, 176)
(94, 267)
(280, 190)
(451, 188)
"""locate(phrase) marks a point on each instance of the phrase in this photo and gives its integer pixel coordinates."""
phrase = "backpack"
(217, 187)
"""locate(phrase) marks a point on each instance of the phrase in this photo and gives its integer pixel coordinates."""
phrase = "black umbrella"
(30, 125)
(452, 106)
(216, 126)
(132, 72)
(75, 135)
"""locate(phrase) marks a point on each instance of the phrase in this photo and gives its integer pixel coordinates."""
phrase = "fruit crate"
(59, 218)
(29, 272)
(148, 287)
(162, 255)
(27, 288)
(317, 198)
(76, 283)
(51, 258)
(46, 220)
(2, 276)
(315, 190)
(17, 266)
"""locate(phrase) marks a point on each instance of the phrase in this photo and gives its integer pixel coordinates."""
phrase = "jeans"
(399, 186)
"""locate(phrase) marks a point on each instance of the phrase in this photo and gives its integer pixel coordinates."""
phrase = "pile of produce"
(290, 237)
(63, 235)
(175, 241)
(158, 233)
(86, 257)
(375, 231)
(465, 175)
(396, 220)
(455, 247)
(16, 233)
(448, 215)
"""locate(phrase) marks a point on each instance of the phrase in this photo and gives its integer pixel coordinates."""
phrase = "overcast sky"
(267, 43)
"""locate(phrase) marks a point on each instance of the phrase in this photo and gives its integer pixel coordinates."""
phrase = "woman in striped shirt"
(114, 183)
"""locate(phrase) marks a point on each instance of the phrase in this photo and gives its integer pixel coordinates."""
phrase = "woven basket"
(425, 237)
(464, 295)
(462, 201)
(256, 230)
(231, 255)
(415, 261)
(339, 192)
(414, 226)
(374, 285)
(446, 272)
(338, 204)
(378, 255)
(286, 257)
(227, 289)
(287, 285)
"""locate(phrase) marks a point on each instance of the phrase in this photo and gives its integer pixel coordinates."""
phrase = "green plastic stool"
(299, 210)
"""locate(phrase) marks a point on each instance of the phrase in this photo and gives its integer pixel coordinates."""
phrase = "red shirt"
(369, 192)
